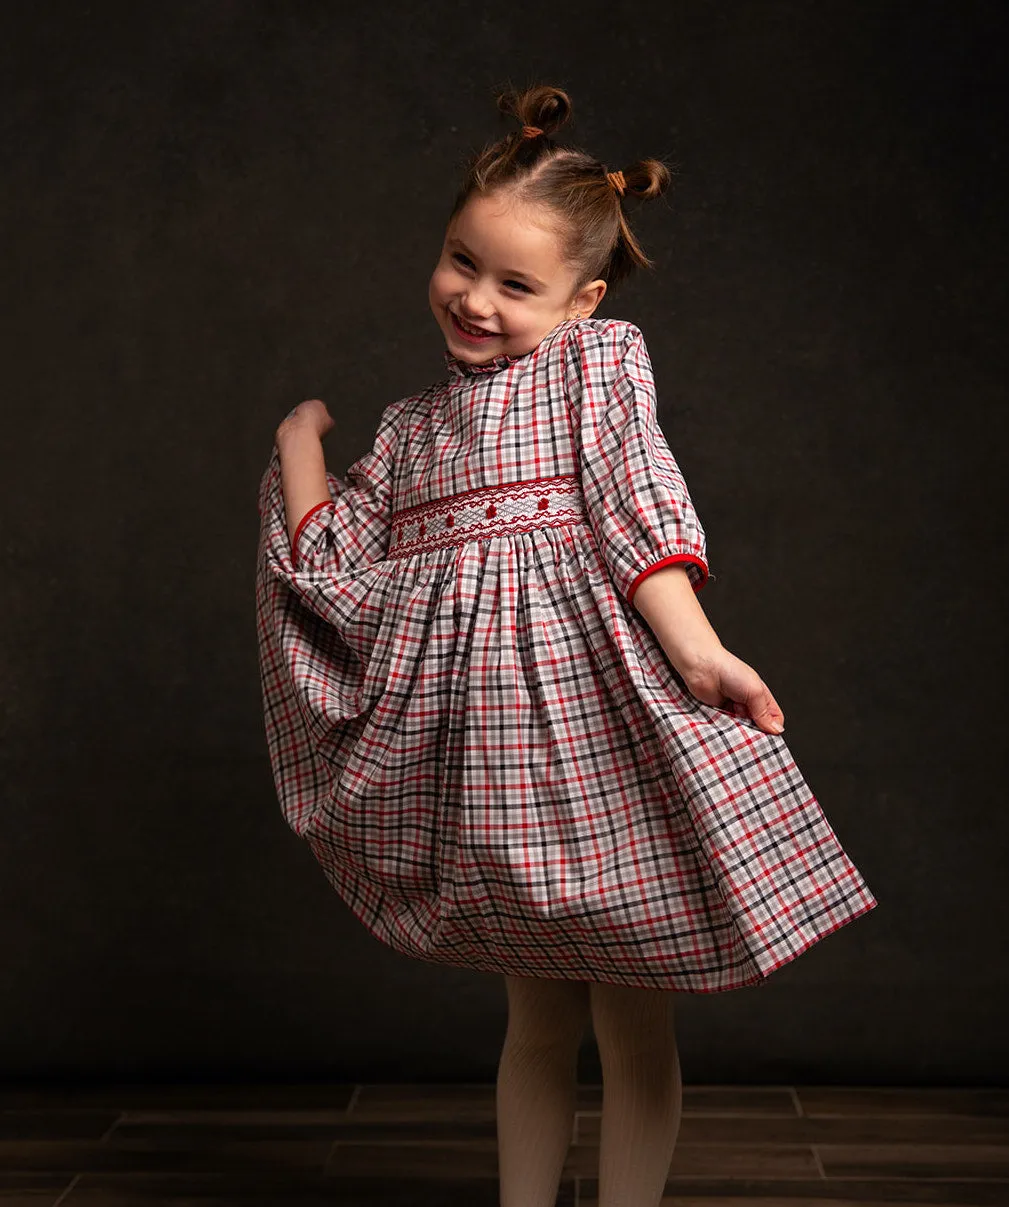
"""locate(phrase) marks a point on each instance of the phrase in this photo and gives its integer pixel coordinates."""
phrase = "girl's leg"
(642, 1092)
(537, 1085)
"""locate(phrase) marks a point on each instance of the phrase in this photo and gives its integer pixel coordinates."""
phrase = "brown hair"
(596, 238)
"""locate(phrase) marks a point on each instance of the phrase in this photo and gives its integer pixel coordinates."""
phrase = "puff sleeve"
(639, 508)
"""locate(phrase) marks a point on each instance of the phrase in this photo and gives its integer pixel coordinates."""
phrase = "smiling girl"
(494, 706)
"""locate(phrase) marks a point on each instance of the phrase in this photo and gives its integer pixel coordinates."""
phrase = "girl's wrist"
(294, 431)
(694, 663)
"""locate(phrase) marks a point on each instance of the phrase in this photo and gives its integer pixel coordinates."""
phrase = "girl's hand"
(722, 679)
(311, 416)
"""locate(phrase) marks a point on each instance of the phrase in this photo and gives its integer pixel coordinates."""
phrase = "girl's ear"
(585, 301)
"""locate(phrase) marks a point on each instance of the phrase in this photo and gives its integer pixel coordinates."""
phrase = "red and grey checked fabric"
(480, 738)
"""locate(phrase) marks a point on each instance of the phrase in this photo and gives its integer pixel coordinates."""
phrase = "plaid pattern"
(478, 735)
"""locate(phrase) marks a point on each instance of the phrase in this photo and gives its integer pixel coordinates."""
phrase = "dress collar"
(462, 368)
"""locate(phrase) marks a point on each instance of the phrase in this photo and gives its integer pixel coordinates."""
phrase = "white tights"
(537, 1083)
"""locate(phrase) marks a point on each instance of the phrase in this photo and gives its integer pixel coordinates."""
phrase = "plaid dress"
(480, 738)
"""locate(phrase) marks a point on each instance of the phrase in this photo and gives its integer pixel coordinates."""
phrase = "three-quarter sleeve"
(314, 626)
(638, 505)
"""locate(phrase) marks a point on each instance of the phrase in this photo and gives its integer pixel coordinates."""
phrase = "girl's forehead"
(494, 225)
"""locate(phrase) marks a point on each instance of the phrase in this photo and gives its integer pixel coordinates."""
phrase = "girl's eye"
(466, 262)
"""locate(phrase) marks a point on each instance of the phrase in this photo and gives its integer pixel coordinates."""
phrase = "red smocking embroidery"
(426, 525)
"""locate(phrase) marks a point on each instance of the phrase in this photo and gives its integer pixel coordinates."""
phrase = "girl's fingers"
(771, 717)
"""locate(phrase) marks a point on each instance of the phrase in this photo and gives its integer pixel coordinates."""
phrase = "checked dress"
(480, 738)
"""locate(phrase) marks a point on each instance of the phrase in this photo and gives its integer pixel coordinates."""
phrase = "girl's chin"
(469, 353)
(474, 355)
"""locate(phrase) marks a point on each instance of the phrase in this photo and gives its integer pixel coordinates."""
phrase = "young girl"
(494, 706)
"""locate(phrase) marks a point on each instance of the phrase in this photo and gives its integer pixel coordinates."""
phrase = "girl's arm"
(302, 471)
(668, 602)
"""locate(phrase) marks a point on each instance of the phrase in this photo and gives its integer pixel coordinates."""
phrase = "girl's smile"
(475, 335)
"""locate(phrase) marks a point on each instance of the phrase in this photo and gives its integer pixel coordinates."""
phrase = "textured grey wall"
(214, 210)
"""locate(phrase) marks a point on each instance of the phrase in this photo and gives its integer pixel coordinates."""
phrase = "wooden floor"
(431, 1146)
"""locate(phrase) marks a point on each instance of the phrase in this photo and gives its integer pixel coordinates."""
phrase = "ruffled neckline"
(462, 368)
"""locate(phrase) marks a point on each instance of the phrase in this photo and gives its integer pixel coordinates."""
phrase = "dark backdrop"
(213, 210)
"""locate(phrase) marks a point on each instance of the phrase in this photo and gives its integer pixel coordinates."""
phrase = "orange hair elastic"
(531, 131)
(616, 181)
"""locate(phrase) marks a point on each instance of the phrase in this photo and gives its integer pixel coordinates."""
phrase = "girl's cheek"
(445, 280)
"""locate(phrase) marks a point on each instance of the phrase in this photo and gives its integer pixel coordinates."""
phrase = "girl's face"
(501, 285)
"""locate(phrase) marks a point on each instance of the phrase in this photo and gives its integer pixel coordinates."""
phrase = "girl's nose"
(475, 306)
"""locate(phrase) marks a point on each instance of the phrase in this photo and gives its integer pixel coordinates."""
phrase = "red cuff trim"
(674, 559)
(304, 520)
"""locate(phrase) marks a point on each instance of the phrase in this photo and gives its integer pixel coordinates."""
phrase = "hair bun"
(647, 178)
(542, 105)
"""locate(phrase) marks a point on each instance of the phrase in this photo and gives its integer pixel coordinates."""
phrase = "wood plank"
(716, 1193)
(351, 1129)
(157, 1096)
(171, 1190)
(884, 1101)
(206, 1154)
(477, 1159)
(842, 1129)
(915, 1160)
(716, 1161)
